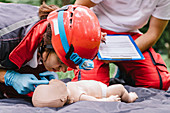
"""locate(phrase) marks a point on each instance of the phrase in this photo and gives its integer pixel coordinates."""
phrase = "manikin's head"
(53, 95)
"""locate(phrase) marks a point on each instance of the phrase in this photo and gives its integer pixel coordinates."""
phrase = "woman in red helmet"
(127, 17)
(29, 44)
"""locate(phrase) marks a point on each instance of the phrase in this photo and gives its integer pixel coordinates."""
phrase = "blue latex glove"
(48, 75)
(22, 83)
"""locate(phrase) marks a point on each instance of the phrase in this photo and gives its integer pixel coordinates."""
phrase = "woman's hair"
(45, 9)
(46, 40)
(47, 35)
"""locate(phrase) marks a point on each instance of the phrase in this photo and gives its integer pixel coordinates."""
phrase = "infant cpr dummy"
(57, 93)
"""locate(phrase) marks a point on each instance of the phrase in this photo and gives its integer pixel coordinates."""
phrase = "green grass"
(167, 61)
(70, 74)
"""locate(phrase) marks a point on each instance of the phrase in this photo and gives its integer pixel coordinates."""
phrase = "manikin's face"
(52, 62)
(52, 95)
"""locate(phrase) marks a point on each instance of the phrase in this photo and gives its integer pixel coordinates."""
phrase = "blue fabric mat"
(150, 101)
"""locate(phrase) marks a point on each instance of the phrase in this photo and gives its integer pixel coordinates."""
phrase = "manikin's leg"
(118, 89)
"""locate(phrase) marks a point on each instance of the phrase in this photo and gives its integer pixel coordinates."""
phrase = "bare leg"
(118, 89)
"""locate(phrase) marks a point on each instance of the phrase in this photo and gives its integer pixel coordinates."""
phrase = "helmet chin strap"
(86, 64)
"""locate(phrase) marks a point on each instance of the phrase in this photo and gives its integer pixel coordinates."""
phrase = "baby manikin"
(57, 93)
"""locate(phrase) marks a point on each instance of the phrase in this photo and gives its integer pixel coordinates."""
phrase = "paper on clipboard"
(119, 47)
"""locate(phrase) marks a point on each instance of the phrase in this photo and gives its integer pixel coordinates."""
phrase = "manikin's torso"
(88, 87)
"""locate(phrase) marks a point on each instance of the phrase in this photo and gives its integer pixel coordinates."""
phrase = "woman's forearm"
(156, 28)
(2, 73)
(87, 3)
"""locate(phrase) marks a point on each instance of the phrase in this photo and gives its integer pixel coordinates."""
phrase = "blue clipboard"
(110, 47)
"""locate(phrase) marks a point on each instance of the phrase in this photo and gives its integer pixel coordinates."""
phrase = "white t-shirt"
(129, 15)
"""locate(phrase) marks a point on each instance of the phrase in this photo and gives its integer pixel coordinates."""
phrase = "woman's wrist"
(2, 73)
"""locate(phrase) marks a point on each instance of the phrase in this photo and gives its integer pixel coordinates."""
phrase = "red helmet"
(76, 34)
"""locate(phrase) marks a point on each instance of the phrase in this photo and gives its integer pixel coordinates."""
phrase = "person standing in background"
(127, 17)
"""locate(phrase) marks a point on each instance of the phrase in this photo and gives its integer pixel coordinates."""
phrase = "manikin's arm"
(112, 98)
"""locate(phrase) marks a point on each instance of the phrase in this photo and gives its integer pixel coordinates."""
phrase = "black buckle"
(71, 50)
